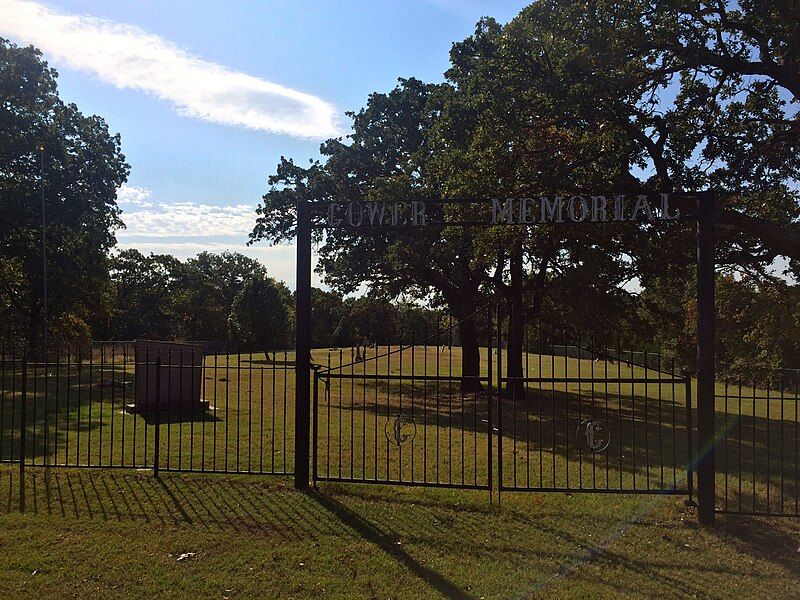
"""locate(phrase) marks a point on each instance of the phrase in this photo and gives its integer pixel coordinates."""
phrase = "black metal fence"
(104, 405)
(758, 451)
(405, 414)
(581, 412)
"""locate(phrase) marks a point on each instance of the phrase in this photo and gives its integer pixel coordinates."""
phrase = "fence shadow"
(405, 527)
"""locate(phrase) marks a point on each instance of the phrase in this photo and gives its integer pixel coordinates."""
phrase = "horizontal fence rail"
(106, 405)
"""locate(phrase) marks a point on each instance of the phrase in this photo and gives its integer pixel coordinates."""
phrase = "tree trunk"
(461, 303)
(515, 387)
(470, 353)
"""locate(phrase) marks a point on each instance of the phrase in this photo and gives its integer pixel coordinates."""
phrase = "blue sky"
(208, 95)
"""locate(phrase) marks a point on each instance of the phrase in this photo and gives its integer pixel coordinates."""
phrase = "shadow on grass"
(285, 363)
(219, 503)
(194, 414)
(649, 438)
(388, 544)
(763, 538)
(544, 543)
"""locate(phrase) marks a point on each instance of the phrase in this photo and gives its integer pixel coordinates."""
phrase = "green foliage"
(83, 167)
(229, 297)
(757, 326)
(377, 319)
(330, 325)
(158, 296)
(13, 291)
(260, 315)
(209, 286)
(634, 95)
(758, 329)
(386, 158)
(147, 295)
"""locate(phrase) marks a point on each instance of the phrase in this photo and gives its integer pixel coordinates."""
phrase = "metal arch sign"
(590, 208)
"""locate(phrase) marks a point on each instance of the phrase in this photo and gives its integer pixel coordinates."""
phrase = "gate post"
(302, 368)
(315, 430)
(705, 359)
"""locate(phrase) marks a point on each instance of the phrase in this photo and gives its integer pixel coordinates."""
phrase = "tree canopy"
(261, 315)
(636, 96)
(633, 96)
(83, 166)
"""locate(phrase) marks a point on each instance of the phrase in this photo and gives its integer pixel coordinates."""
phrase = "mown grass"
(121, 534)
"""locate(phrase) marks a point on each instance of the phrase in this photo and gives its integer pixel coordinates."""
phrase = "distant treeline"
(230, 298)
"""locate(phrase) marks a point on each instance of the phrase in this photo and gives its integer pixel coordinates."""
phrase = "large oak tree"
(635, 95)
(83, 167)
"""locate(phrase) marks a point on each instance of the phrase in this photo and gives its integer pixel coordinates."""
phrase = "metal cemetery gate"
(577, 415)
(404, 413)
(632, 410)
(580, 412)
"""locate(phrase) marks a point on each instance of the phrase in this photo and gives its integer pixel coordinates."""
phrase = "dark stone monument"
(168, 377)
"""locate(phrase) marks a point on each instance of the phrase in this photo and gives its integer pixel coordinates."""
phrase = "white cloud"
(130, 58)
(135, 196)
(144, 217)
(184, 229)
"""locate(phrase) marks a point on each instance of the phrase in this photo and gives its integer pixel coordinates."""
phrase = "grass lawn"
(110, 533)
(122, 534)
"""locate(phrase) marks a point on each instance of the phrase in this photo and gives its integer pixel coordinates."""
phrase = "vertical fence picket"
(23, 426)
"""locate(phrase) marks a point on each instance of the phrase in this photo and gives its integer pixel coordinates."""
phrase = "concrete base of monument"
(184, 408)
